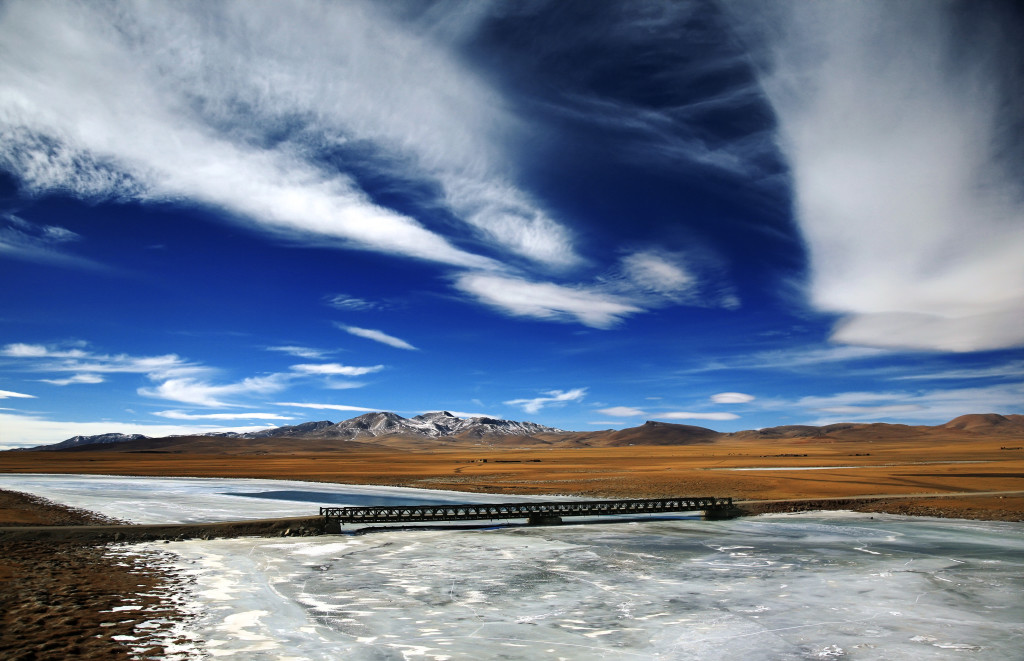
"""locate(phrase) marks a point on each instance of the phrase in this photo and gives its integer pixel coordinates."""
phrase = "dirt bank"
(747, 470)
(74, 598)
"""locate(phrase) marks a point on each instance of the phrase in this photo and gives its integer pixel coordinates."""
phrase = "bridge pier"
(721, 513)
(541, 519)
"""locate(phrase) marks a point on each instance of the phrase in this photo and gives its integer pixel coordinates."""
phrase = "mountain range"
(435, 424)
(442, 428)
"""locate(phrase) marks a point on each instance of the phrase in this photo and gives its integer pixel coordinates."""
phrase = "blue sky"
(736, 215)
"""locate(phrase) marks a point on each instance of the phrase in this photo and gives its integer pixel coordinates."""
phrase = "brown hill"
(988, 423)
(659, 433)
(651, 433)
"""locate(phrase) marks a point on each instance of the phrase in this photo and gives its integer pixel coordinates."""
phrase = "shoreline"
(956, 495)
(77, 598)
(74, 584)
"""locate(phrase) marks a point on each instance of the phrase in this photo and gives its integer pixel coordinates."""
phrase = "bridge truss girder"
(712, 507)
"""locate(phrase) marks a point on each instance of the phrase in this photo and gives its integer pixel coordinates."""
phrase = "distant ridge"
(444, 429)
(987, 422)
(436, 424)
(78, 441)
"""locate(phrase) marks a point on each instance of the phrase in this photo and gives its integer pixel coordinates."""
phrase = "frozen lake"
(809, 586)
(203, 500)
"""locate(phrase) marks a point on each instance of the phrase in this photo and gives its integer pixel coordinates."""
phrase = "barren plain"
(932, 476)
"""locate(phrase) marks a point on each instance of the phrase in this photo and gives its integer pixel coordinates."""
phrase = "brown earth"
(949, 461)
(57, 598)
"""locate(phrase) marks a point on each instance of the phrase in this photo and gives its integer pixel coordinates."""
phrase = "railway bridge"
(537, 513)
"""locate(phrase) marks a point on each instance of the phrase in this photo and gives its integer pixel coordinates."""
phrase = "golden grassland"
(866, 468)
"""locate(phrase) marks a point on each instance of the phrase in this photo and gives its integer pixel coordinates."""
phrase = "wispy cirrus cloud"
(302, 352)
(377, 336)
(203, 393)
(209, 129)
(689, 415)
(43, 244)
(336, 369)
(326, 407)
(1011, 370)
(167, 125)
(346, 302)
(179, 380)
(183, 415)
(622, 411)
(928, 406)
(658, 273)
(906, 156)
(655, 277)
(24, 350)
(521, 297)
(9, 394)
(549, 398)
(641, 281)
(718, 398)
(732, 398)
(176, 379)
(76, 379)
(332, 384)
(88, 365)
(797, 358)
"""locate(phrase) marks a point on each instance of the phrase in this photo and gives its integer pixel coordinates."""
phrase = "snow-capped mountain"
(77, 441)
(435, 424)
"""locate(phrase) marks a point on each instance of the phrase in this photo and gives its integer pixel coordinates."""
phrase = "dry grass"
(877, 467)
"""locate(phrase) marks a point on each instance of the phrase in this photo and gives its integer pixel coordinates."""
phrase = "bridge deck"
(534, 511)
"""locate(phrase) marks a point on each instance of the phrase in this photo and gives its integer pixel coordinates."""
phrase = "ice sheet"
(770, 588)
(198, 500)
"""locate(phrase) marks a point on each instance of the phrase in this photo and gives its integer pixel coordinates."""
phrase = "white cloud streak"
(182, 415)
(796, 359)
(301, 352)
(202, 393)
(8, 394)
(44, 244)
(178, 380)
(1011, 370)
(88, 365)
(732, 398)
(343, 385)
(924, 406)
(328, 407)
(687, 415)
(658, 273)
(377, 336)
(142, 101)
(898, 122)
(346, 302)
(545, 300)
(336, 369)
(550, 398)
(76, 379)
(622, 411)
